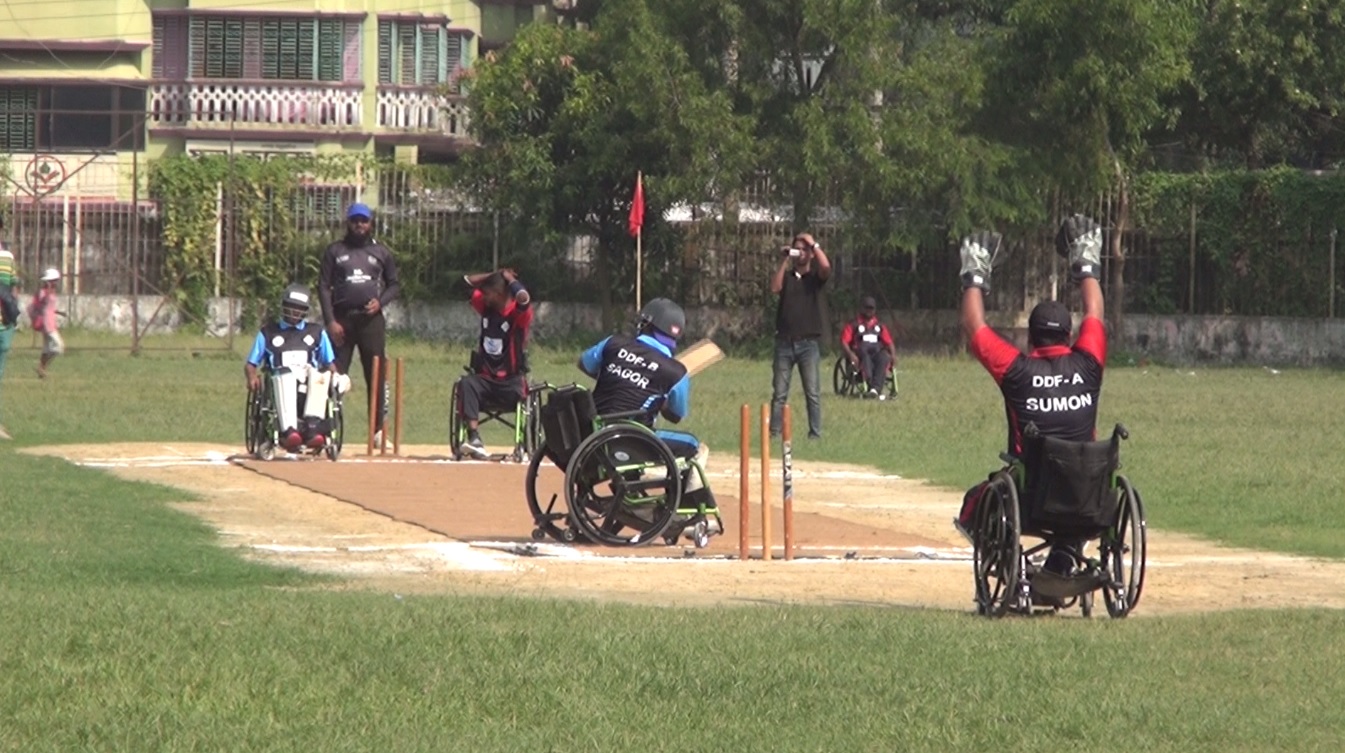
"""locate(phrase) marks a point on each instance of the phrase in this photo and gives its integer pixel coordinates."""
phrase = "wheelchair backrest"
(567, 420)
(1069, 484)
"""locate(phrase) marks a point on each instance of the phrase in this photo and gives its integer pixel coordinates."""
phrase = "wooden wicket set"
(380, 375)
(786, 483)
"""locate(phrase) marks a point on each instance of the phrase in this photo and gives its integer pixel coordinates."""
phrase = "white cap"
(51, 275)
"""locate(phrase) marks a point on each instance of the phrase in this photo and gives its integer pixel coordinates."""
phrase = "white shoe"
(474, 447)
(4, 435)
(378, 439)
(882, 396)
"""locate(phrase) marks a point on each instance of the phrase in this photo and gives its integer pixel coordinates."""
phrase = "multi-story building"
(91, 89)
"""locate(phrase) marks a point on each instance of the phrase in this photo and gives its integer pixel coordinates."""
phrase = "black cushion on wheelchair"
(1069, 485)
(567, 420)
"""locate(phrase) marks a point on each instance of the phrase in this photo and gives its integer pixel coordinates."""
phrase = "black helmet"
(665, 316)
(294, 304)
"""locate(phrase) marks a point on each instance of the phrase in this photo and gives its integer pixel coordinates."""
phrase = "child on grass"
(43, 311)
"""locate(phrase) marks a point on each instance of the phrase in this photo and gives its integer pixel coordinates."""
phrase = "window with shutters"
(412, 53)
(248, 47)
(18, 118)
(71, 118)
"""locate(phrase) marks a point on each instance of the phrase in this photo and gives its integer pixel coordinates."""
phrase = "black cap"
(868, 303)
(1050, 316)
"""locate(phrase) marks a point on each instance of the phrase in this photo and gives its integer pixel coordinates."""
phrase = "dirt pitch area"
(423, 524)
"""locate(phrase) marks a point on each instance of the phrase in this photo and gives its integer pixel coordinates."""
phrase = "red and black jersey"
(504, 335)
(1055, 387)
(866, 333)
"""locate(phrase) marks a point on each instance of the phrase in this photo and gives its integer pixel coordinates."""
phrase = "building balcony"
(421, 111)
(300, 106)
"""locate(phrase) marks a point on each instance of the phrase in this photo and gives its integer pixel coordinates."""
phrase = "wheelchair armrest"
(624, 415)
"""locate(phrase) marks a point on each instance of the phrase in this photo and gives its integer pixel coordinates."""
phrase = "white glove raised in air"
(978, 254)
(1080, 241)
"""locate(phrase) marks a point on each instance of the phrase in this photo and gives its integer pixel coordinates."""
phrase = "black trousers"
(476, 390)
(368, 332)
(873, 364)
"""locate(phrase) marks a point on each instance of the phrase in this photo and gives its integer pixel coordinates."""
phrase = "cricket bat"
(700, 356)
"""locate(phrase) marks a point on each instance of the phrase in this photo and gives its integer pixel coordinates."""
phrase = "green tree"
(564, 118)
(1080, 84)
(1265, 86)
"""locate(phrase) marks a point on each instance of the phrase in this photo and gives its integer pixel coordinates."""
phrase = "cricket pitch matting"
(485, 502)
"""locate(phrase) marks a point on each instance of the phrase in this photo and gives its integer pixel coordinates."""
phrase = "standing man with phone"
(799, 322)
(357, 280)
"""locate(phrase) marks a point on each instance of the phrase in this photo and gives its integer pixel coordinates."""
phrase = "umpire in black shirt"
(799, 323)
(358, 279)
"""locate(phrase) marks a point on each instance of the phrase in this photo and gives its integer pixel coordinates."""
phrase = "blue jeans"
(806, 354)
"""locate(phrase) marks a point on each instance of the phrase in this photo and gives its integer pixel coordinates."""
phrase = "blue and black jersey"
(637, 373)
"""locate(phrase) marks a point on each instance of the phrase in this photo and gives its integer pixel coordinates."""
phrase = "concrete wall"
(1272, 341)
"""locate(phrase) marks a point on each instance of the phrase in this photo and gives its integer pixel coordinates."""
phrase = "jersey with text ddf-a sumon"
(357, 274)
(634, 375)
(1054, 387)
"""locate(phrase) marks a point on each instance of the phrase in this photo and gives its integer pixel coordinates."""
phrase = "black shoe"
(1059, 562)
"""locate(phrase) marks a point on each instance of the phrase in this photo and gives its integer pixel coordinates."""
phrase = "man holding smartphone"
(799, 322)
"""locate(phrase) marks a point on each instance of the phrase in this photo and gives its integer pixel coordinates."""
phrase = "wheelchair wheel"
(457, 428)
(892, 384)
(997, 550)
(338, 436)
(260, 429)
(532, 420)
(842, 377)
(252, 429)
(554, 519)
(1123, 552)
(622, 477)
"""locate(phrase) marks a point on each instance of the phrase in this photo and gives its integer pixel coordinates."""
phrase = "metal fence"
(117, 248)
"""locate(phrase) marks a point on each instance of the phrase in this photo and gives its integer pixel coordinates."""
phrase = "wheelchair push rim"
(1123, 550)
(338, 436)
(997, 549)
(641, 495)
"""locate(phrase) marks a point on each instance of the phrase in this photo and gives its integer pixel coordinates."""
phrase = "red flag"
(637, 208)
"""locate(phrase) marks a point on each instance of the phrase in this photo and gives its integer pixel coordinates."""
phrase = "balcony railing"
(421, 111)
(269, 104)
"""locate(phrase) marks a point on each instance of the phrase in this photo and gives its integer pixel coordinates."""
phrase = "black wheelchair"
(519, 416)
(623, 484)
(261, 424)
(1071, 496)
(847, 381)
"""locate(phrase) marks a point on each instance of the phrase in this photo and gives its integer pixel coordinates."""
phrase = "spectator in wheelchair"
(298, 359)
(1055, 385)
(640, 374)
(869, 347)
(498, 367)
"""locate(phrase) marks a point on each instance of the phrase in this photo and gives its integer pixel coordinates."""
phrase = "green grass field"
(126, 628)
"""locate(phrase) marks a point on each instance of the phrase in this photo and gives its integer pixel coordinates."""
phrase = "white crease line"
(837, 475)
(560, 551)
(455, 553)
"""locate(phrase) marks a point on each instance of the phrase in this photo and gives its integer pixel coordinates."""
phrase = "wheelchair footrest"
(1056, 586)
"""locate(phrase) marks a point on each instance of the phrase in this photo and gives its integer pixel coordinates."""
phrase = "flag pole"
(639, 250)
